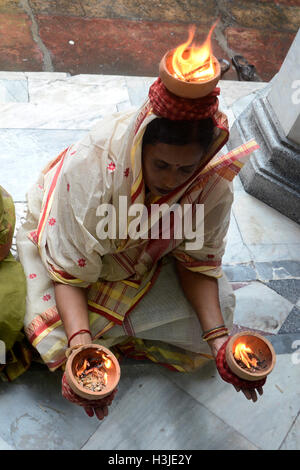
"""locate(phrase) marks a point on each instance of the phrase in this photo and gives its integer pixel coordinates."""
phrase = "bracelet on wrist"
(220, 335)
(78, 333)
(215, 333)
(213, 329)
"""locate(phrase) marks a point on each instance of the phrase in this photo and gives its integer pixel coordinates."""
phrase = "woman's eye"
(187, 170)
(161, 165)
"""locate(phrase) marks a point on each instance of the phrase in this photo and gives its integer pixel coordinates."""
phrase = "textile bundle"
(166, 104)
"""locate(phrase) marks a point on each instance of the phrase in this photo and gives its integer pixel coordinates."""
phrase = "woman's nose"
(170, 180)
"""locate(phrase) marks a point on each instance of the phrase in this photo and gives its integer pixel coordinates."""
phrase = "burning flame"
(82, 368)
(86, 368)
(194, 63)
(241, 353)
(107, 361)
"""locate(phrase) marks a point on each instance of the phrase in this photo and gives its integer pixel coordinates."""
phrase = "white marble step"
(25, 152)
(61, 103)
(42, 100)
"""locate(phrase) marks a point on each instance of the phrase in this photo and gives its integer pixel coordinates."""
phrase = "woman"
(15, 356)
(114, 290)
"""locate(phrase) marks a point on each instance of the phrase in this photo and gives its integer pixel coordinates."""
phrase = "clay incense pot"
(75, 362)
(187, 89)
(262, 349)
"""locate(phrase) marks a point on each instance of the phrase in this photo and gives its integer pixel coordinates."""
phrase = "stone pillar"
(273, 120)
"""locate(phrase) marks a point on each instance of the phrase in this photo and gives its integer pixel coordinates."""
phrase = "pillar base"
(273, 173)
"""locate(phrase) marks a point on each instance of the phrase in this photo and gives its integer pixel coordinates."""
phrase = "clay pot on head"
(75, 360)
(261, 347)
(186, 89)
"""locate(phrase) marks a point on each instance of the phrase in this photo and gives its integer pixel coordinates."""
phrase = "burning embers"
(92, 372)
(247, 359)
(250, 356)
(192, 63)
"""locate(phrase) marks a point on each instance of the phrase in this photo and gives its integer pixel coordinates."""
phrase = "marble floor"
(42, 113)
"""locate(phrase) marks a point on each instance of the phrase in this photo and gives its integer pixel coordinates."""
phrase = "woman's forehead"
(175, 154)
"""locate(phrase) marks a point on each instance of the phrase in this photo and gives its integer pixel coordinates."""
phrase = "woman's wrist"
(81, 338)
(216, 343)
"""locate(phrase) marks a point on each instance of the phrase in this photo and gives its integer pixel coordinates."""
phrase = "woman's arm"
(203, 294)
(72, 307)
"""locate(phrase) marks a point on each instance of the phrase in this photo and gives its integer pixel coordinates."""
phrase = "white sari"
(59, 241)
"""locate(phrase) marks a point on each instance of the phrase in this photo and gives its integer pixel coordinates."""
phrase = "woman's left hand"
(216, 344)
(250, 393)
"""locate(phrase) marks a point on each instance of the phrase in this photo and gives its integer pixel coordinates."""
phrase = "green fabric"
(18, 360)
(7, 217)
(12, 301)
(12, 284)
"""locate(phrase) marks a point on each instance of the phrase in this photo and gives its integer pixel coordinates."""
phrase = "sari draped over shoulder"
(60, 240)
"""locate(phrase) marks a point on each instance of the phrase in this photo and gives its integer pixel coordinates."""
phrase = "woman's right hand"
(100, 409)
(97, 407)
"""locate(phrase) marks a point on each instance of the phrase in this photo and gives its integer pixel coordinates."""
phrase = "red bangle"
(77, 333)
(223, 330)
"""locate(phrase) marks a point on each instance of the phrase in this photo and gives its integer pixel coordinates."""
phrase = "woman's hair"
(165, 131)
